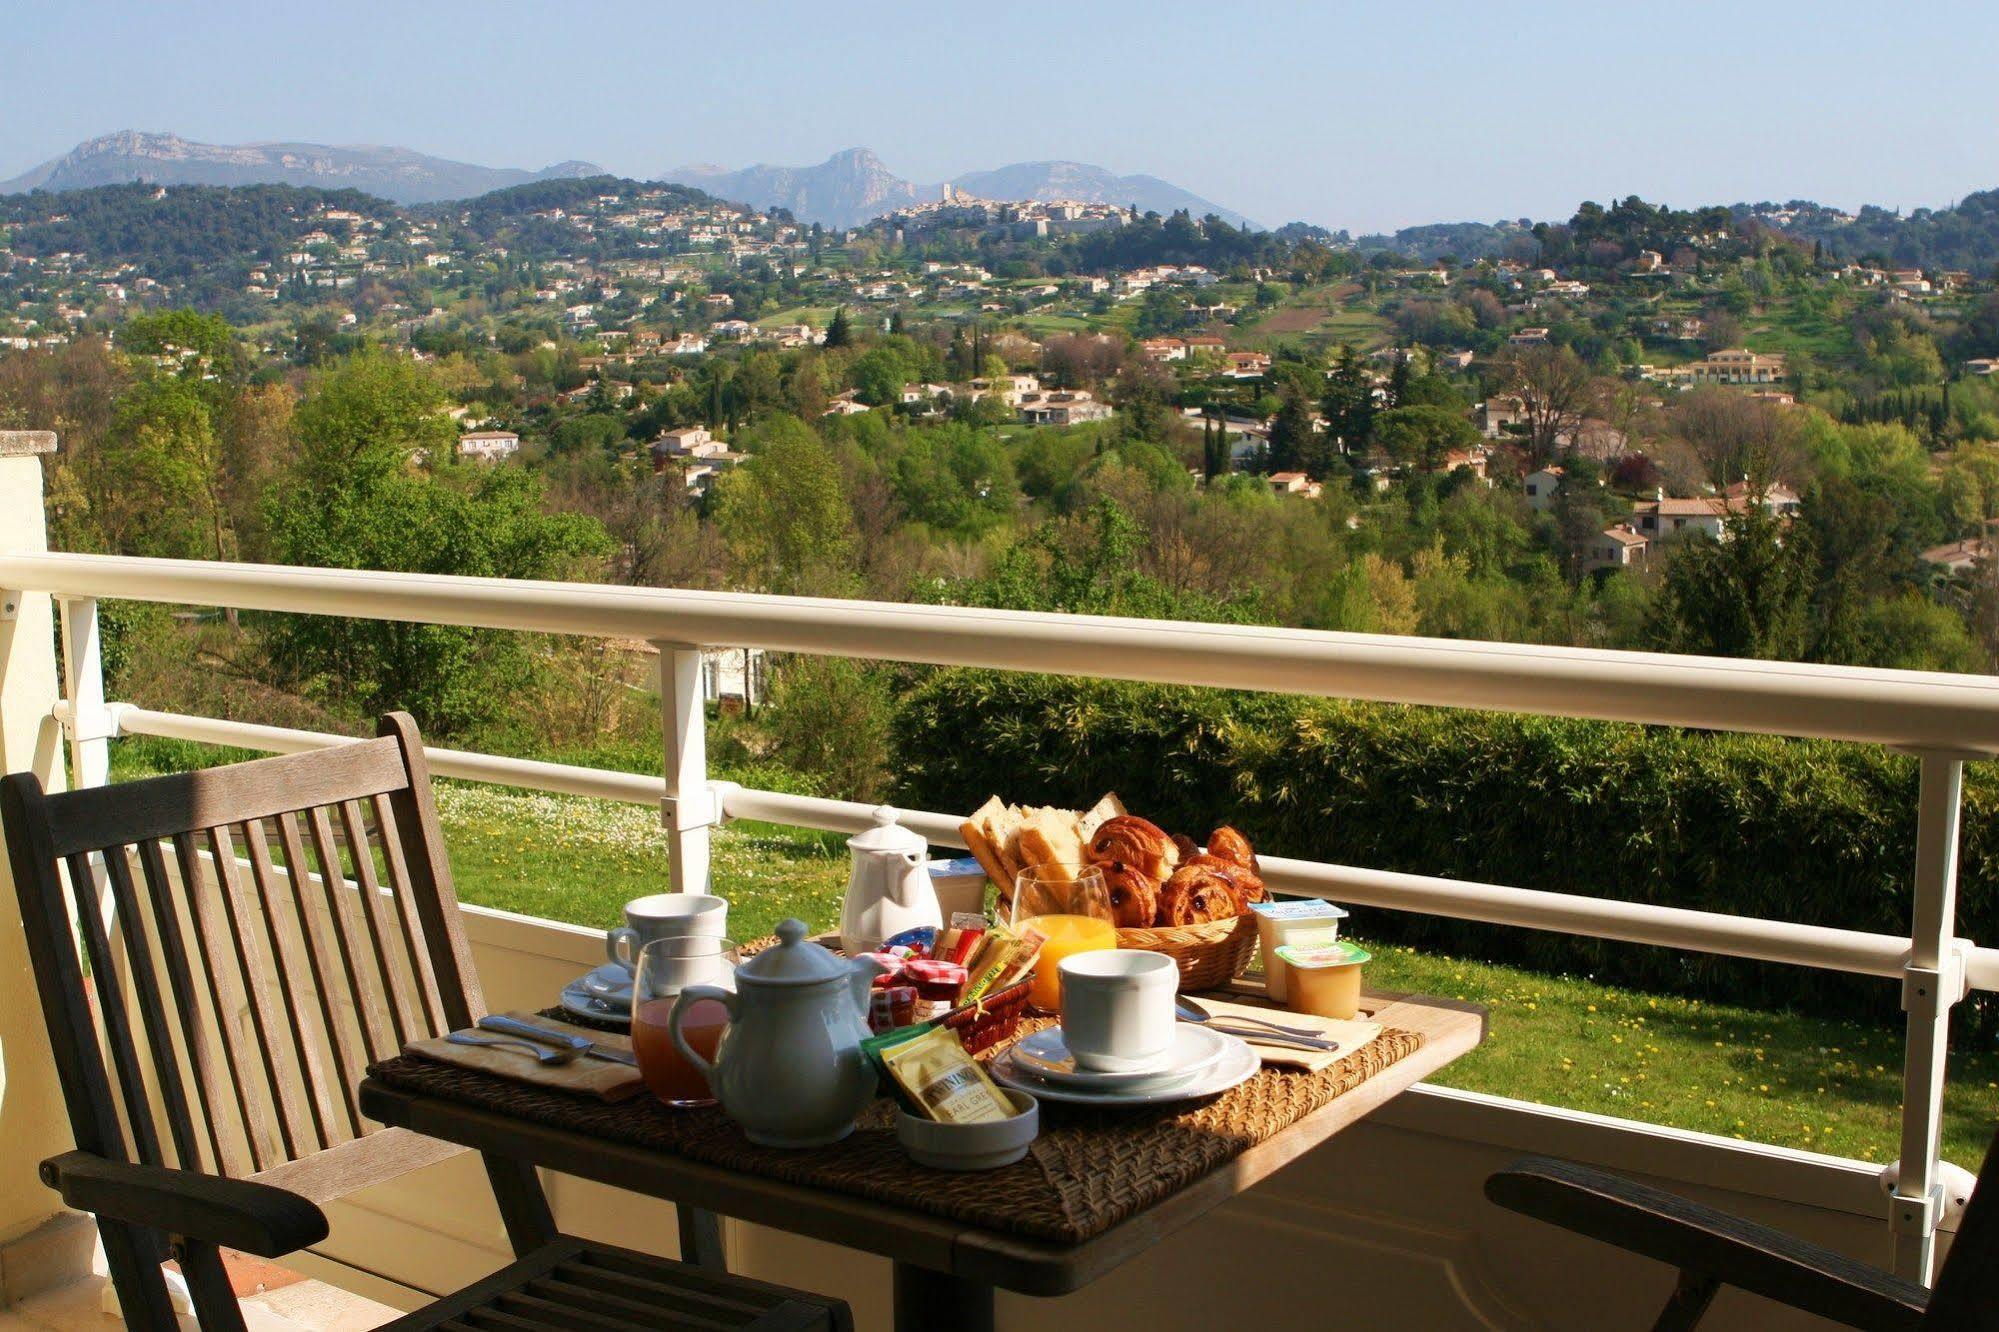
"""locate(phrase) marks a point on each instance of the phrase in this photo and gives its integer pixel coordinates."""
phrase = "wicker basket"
(1209, 956)
(993, 1019)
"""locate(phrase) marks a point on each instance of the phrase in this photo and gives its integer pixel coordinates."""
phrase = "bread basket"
(1209, 956)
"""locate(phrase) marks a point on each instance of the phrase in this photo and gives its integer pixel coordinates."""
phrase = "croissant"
(1136, 844)
(1202, 890)
(1134, 897)
(1247, 884)
(1231, 845)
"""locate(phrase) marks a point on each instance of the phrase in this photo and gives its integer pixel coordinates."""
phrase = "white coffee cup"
(663, 916)
(1117, 1008)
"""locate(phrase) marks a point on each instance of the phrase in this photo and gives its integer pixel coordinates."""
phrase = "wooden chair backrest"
(1966, 1292)
(262, 989)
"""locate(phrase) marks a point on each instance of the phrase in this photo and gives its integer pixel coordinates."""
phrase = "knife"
(1256, 1036)
(543, 1036)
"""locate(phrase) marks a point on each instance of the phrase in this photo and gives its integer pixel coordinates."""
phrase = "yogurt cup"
(1309, 920)
(1325, 978)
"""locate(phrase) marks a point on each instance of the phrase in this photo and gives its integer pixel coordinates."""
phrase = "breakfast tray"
(1089, 1169)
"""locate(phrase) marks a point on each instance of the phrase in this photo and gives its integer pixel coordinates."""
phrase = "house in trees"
(1542, 487)
(1778, 498)
(1528, 337)
(1247, 365)
(1501, 411)
(488, 445)
(1619, 546)
(1061, 408)
(1294, 483)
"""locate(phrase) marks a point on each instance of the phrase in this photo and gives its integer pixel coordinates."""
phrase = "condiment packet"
(945, 1083)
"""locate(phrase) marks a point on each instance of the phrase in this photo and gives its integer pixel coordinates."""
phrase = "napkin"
(586, 1076)
(1351, 1033)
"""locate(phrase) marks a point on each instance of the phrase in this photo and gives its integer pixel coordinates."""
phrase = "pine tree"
(1349, 403)
(840, 332)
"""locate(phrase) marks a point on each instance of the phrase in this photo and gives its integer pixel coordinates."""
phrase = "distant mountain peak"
(854, 186)
(401, 174)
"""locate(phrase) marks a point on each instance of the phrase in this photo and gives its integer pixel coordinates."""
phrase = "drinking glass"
(666, 967)
(1071, 907)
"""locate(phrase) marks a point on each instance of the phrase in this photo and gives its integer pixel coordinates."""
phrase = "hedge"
(1809, 831)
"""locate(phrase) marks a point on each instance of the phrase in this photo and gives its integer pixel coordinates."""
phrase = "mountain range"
(399, 174)
(854, 186)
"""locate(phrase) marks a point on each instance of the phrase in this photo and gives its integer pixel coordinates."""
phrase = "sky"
(1367, 116)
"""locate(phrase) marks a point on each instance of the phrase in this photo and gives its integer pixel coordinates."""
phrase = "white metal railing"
(1945, 720)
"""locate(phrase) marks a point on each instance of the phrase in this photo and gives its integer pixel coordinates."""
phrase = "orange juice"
(666, 1071)
(1065, 935)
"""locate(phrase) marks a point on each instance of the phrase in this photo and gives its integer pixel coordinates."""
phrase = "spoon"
(543, 1054)
(1190, 1011)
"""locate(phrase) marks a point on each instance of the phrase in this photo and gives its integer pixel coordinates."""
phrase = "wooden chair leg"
(701, 1238)
(523, 1206)
(215, 1306)
(1692, 1294)
(133, 1257)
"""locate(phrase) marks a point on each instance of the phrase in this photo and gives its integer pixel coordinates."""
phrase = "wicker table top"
(1098, 1186)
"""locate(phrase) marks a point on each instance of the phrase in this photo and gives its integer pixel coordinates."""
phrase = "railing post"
(90, 723)
(690, 808)
(1932, 982)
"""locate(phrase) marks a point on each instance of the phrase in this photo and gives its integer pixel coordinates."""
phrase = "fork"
(543, 1054)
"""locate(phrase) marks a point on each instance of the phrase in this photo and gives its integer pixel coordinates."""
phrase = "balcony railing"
(1944, 720)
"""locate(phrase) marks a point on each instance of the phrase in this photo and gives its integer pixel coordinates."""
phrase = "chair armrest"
(232, 1213)
(1700, 1239)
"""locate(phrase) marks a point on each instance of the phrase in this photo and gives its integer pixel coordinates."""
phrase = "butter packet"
(946, 1084)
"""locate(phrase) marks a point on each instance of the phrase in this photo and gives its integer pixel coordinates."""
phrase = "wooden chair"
(1713, 1249)
(222, 1113)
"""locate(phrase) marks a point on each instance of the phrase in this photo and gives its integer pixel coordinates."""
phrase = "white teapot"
(889, 888)
(790, 1070)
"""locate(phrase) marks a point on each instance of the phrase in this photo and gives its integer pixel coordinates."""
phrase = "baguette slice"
(976, 831)
(1050, 838)
(1004, 830)
(1110, 807)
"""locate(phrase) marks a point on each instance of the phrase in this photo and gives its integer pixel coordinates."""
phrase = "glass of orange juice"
(666, 967)
(1070, 906)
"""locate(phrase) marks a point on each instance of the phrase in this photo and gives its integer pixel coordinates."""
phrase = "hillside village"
(664, 320)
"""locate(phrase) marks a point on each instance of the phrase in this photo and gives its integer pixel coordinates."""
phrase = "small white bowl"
(986, 1146)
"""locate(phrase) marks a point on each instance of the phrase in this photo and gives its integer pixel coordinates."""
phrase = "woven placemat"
(1089, 1169)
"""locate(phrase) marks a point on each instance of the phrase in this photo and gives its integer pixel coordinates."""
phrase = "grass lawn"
(1781, 1078)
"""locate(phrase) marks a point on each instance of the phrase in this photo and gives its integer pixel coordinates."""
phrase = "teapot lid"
(795, 960)
(888, 835)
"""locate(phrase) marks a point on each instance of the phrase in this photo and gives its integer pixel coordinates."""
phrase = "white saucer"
(1045, 1055)
(1236, 1066)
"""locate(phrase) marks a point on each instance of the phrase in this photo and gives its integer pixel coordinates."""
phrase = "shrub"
(1808, 831)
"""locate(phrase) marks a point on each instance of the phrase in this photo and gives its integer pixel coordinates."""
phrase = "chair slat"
(214, 949)
(363, 971)
(148, 993)
(117, 1023)
(414, 939)
(100, 816)
(326, 953)
(430, 879)
(209, 1077)
(548, 1313)
(267, 1018)
(291, 971)
(398, 974)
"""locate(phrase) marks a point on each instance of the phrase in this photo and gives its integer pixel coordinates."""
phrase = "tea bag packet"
(942, 1082)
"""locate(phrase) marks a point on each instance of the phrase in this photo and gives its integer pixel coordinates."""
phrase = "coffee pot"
(889, 888)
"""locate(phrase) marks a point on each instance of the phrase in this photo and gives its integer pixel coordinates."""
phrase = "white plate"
(1236, 1066)
(1045, 1054)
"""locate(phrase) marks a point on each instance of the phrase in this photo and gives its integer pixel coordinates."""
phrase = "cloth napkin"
(586, 1076)
(1351, 1033)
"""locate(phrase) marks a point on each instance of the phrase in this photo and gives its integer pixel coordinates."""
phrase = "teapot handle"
(687, 996)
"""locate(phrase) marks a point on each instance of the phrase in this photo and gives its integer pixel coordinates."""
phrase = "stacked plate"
(604, 994)
(1199, 1063)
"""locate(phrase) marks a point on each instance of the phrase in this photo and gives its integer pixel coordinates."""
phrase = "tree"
(1214, 447)
(879, 375)
(840, 332)
(1349, 406)
(1734, 437)
(783, 513)
(1421, 436)
(1556, 391)
(1290, 434)
(354, 500)
(1747, 594)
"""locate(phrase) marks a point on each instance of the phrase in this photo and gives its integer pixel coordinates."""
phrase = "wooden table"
(945, 1271)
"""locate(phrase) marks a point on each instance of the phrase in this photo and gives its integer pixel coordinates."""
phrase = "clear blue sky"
(1363, 115)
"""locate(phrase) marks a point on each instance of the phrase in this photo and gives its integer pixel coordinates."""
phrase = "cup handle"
(687, 996)
(614, 946)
